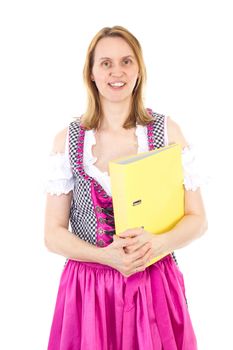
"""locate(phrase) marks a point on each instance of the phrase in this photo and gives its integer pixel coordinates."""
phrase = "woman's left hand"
(156, 240)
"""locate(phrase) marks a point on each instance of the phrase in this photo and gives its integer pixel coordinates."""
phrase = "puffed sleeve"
(193, 176)
(59, 178)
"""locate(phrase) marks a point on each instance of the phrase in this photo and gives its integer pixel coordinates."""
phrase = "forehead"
(112, 47)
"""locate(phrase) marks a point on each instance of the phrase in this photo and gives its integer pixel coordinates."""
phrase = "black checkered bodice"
(91, 213)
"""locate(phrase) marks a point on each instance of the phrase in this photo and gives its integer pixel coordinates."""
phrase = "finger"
(133, 248)
(141, 251)
(126, 242)
(127, 250)
(115, 237)
(137, 247)
(143, 261)
(133, 232)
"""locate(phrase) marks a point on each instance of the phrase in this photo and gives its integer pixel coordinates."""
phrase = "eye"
(106, 64)
(127, 61)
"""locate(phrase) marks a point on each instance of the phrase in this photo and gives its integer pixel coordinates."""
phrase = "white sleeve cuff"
(193, 177)
(59, 178)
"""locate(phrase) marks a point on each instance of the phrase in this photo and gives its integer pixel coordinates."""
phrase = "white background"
(187, 49)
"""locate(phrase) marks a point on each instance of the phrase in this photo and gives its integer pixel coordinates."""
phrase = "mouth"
(117, 85)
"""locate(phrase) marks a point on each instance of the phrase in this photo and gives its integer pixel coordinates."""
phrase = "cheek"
(98, 74)
(133, 79)
(100, 78)
(133, 75)
(100, 82)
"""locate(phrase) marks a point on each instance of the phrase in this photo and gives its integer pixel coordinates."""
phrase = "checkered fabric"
(82, 214)
(158, 139)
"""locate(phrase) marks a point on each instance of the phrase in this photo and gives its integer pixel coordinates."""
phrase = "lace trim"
(59, 177)
(81, 169)
(90, 140)
(141, 133)
(58, 187)
(89, 159)
(192, 174)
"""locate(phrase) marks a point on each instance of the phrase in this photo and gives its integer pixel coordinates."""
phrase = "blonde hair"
(92, 117)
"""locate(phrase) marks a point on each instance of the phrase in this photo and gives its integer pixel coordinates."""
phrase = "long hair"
(92, 117)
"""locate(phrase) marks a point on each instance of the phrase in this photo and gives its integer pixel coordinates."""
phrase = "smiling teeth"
(117, 84)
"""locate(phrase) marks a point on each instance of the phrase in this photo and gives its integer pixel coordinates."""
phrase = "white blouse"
(60, 178)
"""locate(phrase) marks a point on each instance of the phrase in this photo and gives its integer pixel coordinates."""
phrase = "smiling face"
(115, 69)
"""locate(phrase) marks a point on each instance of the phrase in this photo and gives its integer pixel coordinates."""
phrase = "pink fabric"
(98, 308)
(101, 227)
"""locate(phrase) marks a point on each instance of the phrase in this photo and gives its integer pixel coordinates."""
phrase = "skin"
(114, 60)
(130, 251)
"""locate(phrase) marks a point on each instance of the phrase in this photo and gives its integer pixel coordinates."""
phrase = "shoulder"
(175, 134)
(59, 141)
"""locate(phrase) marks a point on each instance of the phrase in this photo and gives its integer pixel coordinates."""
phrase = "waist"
(96, 265)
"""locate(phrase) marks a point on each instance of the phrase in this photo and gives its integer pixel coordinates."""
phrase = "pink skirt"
(97, 308)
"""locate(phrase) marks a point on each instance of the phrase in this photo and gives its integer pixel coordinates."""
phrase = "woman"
(108, 298)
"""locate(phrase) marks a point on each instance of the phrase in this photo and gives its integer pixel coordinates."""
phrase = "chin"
(115, 98)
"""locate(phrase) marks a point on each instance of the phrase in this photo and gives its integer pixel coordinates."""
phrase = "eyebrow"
(108, 58)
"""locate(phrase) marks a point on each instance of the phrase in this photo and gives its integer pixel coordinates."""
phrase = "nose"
(116, 71)
(116, 74)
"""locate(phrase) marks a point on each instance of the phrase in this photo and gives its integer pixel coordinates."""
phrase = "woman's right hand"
(127, 263)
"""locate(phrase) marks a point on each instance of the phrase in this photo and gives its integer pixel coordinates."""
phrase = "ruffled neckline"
(90, 140)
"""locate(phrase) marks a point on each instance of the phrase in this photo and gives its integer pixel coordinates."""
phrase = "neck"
(114, 115)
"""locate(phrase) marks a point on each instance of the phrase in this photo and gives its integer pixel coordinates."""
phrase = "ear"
(92, 77)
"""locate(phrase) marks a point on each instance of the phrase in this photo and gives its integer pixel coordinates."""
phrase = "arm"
(60, 240)
(194, 223)
(190, 227)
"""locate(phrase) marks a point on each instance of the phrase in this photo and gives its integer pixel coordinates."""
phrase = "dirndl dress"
(97, 308)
